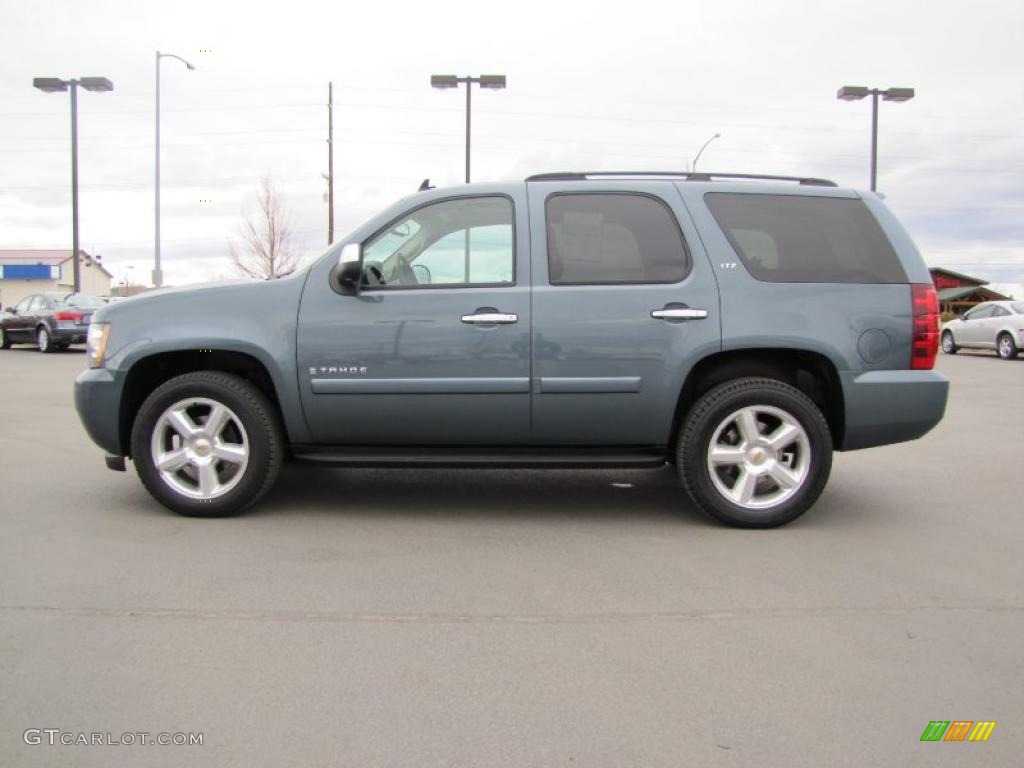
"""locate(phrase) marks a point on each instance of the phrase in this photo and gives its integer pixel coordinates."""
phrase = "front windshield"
(1018, 307)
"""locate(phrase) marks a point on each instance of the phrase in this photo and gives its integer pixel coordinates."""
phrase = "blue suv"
(741, 328)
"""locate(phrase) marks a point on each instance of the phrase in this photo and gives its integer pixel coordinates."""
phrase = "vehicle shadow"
(653, 494)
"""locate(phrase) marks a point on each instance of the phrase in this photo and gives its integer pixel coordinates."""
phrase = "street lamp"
(858, 92)
(56, 85)
(493, 82)
(158, 275)
(701, 150)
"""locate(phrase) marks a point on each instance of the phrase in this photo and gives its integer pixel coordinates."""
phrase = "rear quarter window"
(806, 239)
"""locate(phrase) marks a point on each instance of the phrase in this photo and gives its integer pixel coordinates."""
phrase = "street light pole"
(158, 275)
(74, 189)
(857, 92)
(57, 85)
(493, 82)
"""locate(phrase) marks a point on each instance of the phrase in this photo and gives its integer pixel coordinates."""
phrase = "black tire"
(5, 342)
(711, 413)
(256, 415)
(44, 340)
(1006, 347)
(949, 346)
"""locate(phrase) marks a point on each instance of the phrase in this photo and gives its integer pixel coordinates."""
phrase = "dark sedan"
(49, 320)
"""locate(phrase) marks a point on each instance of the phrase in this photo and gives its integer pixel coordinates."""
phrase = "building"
(24, 272)
(958, 292)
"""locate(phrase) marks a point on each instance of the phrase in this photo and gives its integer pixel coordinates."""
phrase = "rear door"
(624, 302)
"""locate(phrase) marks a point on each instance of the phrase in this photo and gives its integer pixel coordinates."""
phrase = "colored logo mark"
(958, 730)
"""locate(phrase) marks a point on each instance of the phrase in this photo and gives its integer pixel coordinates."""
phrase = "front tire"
(43, 339)
(207, 444)
(5, 342)
(948, 343)
(1006, 347)
(754, 453)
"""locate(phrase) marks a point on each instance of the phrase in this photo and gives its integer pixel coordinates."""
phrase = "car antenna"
(425, 186)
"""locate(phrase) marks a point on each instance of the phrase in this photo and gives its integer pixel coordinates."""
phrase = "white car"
(997, 325)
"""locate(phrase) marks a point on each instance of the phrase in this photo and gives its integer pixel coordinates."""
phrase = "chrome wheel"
(947, 343)
(43, 340)
(759, 457)
(200, 448)
(1006, 347)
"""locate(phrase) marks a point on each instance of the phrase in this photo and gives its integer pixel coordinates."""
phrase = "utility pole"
(330, 163)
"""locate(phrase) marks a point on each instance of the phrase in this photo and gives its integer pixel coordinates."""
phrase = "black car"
(50, 320)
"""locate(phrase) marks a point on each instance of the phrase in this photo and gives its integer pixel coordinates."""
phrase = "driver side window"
(454, 243)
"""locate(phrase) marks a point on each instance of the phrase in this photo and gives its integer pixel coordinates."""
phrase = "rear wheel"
(1006, 346)
(755, 453)
(207, 444)
(948, 344)
(43, 339)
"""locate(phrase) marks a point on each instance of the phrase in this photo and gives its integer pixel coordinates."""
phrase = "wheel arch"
(813, 373)
(149, 372)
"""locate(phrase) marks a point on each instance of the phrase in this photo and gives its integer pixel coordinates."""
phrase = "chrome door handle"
(491, 318)
(679, 313)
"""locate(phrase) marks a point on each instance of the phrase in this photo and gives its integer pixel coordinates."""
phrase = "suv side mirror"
(347, 274)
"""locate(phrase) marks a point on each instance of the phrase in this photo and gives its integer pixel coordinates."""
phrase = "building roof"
(952, 294)
(53, 257)
(958, 275)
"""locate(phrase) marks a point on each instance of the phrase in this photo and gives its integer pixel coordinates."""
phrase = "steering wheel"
(373, 273)
(403, 272)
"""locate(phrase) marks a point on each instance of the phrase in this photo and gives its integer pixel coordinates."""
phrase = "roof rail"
(684, 175)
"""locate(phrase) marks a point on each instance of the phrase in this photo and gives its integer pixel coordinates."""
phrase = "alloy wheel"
(200, 448)
(759, 456)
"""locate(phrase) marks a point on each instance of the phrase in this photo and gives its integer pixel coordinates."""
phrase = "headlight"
(96, 344)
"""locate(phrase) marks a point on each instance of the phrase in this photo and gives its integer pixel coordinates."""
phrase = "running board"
(452, 457)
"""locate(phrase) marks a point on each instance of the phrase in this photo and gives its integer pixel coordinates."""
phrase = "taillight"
(926, 326)
(75, 316)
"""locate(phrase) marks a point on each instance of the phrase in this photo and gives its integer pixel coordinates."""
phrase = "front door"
(435, 348)
(624, 303)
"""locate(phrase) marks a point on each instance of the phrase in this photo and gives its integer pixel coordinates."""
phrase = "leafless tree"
(267, 249)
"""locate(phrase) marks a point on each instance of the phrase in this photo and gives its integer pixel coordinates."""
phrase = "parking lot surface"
(513, 618)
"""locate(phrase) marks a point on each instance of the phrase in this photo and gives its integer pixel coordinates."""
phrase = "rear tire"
(948, 343)
(754, 453)
(207, 444)
(43, 339)
(1006, 347)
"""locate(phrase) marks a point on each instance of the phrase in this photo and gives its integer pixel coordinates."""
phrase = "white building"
(41, 271)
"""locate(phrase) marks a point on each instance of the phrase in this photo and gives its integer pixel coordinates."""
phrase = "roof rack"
(683, 175)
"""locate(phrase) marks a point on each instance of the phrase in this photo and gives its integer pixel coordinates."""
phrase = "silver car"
(997, 325)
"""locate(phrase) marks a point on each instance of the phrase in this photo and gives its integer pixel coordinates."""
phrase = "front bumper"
(97, 400)
(884, 407)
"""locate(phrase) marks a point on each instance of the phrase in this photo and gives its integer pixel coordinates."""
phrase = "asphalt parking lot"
(527, 618)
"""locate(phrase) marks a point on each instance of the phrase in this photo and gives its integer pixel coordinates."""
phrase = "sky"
(591, 86)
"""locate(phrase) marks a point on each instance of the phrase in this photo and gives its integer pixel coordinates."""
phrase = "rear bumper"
(884, 407)
(69, 335)
(97, 400)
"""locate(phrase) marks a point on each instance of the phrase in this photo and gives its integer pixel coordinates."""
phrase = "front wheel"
(5, 341)
(754, 453)
(948, 344)
(1006, 346)
(207, 444)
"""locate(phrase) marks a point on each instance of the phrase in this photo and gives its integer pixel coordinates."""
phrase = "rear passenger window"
(602, 238)
(805, 239)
